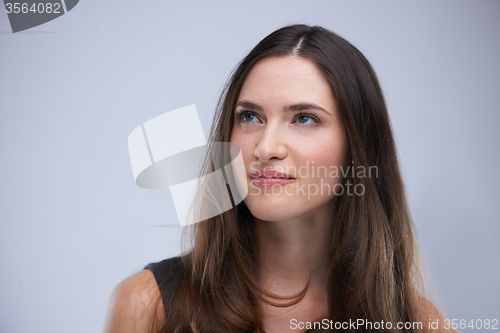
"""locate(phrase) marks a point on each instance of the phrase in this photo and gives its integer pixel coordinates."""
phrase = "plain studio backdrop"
(73, 222)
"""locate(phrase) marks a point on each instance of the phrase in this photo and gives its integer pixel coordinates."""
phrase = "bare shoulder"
(135, 305)
(430, 313)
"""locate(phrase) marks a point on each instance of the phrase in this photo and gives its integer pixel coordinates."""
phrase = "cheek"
(324, 147)
(328, 155)
(322, 157)
(244, 142)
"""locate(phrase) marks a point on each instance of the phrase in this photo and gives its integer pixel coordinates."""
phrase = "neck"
(290, 252)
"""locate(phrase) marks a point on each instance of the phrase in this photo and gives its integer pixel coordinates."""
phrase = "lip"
(269, 182)
(268, 173)
(268, 178)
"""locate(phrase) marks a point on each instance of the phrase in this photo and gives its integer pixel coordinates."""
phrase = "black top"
(161, 271)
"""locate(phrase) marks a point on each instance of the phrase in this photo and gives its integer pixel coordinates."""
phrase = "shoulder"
(135, 305)
(430, 313)
(164, 268)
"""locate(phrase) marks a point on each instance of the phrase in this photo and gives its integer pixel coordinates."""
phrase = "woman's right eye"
(247, 116)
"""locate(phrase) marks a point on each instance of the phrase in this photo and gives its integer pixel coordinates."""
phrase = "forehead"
(286, 79)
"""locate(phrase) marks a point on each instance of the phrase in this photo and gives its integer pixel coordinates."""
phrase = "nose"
(271, 144)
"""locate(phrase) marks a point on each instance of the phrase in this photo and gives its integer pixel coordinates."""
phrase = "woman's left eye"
(307, 118)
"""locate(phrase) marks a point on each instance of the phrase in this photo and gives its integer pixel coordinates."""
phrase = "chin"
(272, 209)
(270, 216)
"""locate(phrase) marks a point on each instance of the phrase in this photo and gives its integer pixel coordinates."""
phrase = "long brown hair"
(372, 272)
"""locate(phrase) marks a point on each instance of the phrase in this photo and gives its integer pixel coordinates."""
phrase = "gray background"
(73, 223)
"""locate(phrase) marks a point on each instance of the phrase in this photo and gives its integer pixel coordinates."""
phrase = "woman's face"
(287, 125)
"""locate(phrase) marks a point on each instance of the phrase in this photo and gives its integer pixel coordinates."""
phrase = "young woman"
(323, 241)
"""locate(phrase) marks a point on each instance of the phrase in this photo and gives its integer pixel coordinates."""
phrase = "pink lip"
(268, 182)
(266, 173)
(267, 178)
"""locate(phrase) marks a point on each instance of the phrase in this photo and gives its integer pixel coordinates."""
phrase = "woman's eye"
(248, 117)
(307, 119)
(303, 119)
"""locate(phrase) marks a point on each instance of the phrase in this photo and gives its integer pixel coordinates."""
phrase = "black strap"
(162, 271)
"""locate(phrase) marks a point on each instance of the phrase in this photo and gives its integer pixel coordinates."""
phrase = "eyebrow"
(294, 107)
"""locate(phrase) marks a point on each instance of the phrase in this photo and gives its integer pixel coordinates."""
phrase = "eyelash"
(241, 115)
